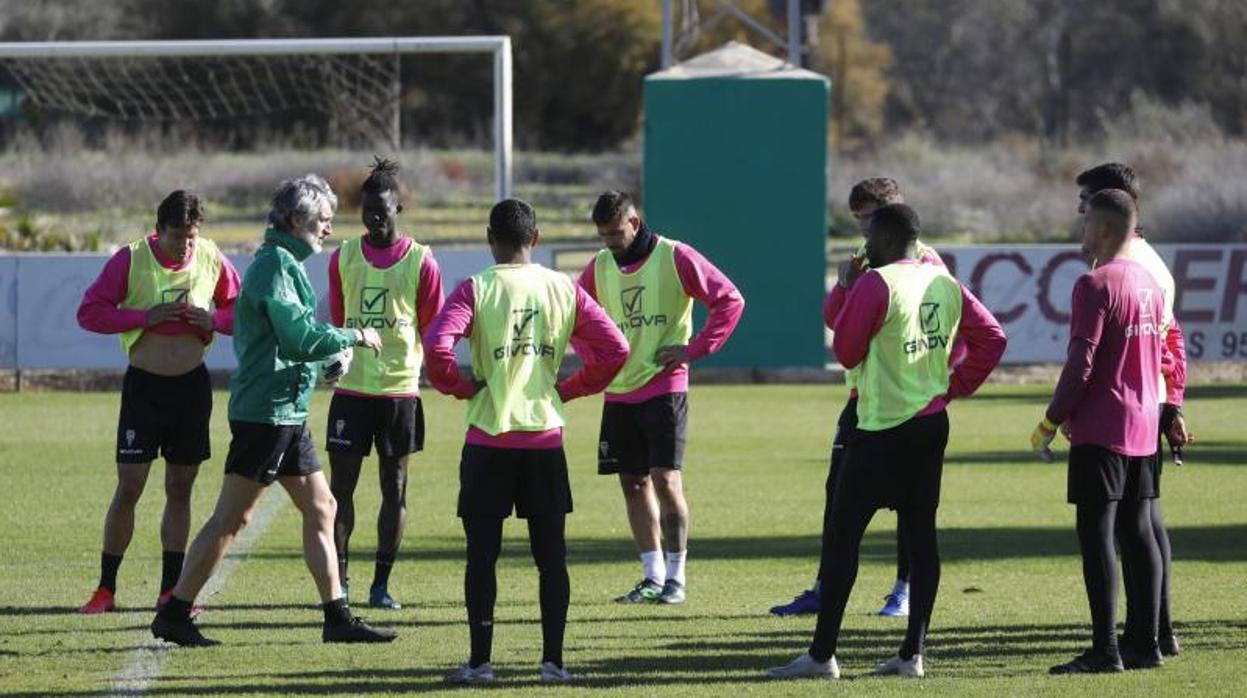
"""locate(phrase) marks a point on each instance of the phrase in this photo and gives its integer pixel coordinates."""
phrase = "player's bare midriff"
(167, 354)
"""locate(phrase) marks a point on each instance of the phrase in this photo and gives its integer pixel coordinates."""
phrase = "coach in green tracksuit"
(279, 347)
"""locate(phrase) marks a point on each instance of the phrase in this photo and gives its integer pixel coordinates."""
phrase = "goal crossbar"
(498, 46)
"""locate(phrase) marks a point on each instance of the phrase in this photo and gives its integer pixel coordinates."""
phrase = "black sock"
(176, 609)
(336, 612)
(170, 569)
(108, 571)
(481, 636)
(342, 575)
(381, 577)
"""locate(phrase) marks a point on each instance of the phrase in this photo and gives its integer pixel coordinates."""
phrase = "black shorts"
(897, 468)
(493, 480)
(1097, 474)
(165, 416)
(846, 429)
(395, 424)
(265, 452)
(638, 437)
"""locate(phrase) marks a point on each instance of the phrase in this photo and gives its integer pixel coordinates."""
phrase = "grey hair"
(298, 200)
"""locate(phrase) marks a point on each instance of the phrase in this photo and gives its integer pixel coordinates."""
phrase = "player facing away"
(279, 346)
(1113, 175)
(155, 293)
(386, 281)
(518, 317)
(865, 196)
(1106, 399)
(647, 283)
(898, 327)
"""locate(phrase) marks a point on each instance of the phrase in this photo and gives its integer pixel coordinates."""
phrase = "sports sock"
(108, 571)
(170, 569)
(652, 566)
(900, 588)
(381, 576)
(336, 612)
(675, 566)
(342, 572)
(176, 609)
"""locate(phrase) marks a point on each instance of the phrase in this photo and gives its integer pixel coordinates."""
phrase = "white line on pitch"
(147, 661)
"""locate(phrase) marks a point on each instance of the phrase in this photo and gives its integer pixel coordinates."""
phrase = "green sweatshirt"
(277, 340)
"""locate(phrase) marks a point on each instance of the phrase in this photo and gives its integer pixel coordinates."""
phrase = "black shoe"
(180, 632)
(1169, 645)
(355, 630)
(1139, 658)
(1093, 661)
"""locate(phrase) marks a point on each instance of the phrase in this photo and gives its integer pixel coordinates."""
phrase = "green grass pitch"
(1011, 600)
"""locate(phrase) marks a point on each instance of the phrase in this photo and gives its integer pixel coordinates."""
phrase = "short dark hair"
(897, 223)
(1119, 207)
(383, 177)
(179, 210)
(513, 222)
(879, 191)
(610, 205)
(1110, 175)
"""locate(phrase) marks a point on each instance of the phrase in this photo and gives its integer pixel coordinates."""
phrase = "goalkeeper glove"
(1041, 439)
(337, 366)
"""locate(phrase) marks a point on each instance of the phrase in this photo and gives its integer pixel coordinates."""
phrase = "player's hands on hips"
(199, 317)
(848, 271)
(673, 356)
(1041, 439)
(165, 312)
(368, 337)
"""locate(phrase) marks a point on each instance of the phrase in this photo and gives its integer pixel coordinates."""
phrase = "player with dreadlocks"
(389, 282)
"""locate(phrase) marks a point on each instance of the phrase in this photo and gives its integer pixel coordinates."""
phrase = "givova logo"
(632, 300)
(175, 295)
(373, 303)
(523, 341)
(929, 321)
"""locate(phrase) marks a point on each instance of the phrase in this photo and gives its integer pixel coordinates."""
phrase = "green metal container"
(736, 165)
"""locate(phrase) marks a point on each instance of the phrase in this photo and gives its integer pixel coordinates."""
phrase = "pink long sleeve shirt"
(1108, 390)
(865, 309)
(596, 339)
(834, 303)
(100, 312)
(429, 297)
(703, 282)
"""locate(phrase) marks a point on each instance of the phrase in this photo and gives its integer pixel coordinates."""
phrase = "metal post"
(667, 21)
(794, 32)
(502, 119)
(396, 95)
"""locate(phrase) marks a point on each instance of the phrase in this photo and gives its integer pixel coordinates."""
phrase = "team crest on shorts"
(340, 425)
(129, 437)
(604, 447)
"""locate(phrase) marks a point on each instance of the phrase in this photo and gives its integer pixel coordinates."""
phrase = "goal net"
(353, 85)
(358, 95)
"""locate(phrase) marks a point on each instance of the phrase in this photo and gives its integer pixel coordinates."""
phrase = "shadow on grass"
(1227, 543)
(986, 651)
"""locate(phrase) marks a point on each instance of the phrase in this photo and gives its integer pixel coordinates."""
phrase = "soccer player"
(865, 196)
(1113, 175)
(387, 281)
(155, 292)
(647, 284)
(518, 317)
(898, 327)
(1107, 397)
(279, 346)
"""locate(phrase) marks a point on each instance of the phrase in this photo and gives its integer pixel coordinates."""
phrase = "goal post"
(60, 75)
